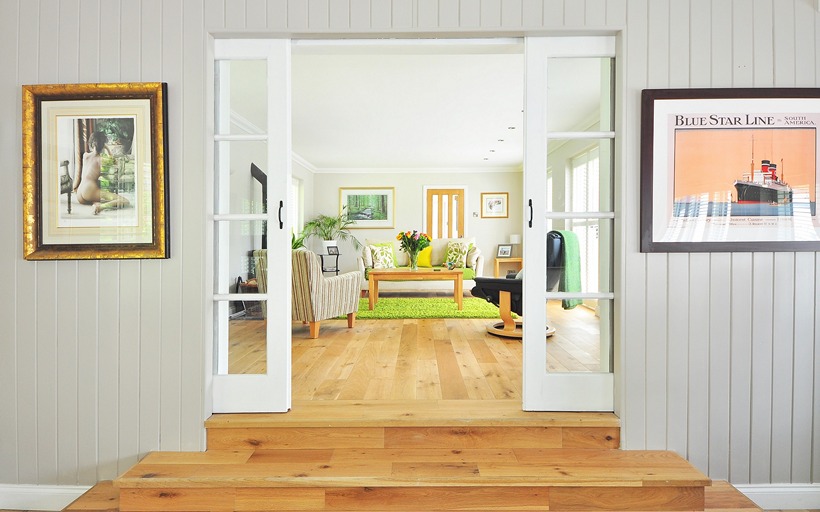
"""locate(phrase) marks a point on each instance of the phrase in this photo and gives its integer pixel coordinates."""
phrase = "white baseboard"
(783, 496)
(38, 497)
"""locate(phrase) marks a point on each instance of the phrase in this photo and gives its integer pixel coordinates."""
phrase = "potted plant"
(331, 228)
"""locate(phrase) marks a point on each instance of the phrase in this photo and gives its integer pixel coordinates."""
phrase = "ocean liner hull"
(750, 192)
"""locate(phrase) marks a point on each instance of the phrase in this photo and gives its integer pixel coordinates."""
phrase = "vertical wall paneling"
(803, 375)
(636, 337)
(170, 330)
(150, 271)
(742, 43)
(721, 44)
(805, 51)
(763, 43)
(402, 14)
(656, 321)
(699, 18)
(595, 13)
(554, 13)
(191, 213)
(718, 352)
(87, 373)
(658, 44)
(574, 13)
(490, 13)
(235, 14)
(719, 349)
(697, 414)
(532, 13)
(469, 13)
(783, 26)
(298, 15)
(448, 13)
(11, 251)
(67, 354)
(741, 373)
(762, 346)
(360, 14)
(277, 14)
(129, 364)
(323, 14)
(108, 306)
(46, 371)
(677, 368)
(256, 14)
(512, 13)
(381, 14)
(815, 460)
(615, 13)
(784, 311)
(46, 304)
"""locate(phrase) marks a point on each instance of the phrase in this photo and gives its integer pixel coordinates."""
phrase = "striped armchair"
(316, 297)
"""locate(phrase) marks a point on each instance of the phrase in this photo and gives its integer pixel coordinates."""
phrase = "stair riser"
(406, 499)
(412, 437)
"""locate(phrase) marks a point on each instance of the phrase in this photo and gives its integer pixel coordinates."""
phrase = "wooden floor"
(415, 358)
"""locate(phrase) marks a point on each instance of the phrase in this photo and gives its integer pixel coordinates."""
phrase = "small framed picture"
(494, 205)
(504, 251)
(333, 250)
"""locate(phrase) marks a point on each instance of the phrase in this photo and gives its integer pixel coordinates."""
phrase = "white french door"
(551, 65)
(251, 227)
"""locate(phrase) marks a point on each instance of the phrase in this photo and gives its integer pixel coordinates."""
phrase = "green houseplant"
(330, 228)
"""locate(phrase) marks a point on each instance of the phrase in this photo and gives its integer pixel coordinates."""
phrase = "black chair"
(507, 293)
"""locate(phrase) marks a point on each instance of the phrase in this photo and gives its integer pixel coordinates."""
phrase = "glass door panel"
(251, 226)
(569, 225)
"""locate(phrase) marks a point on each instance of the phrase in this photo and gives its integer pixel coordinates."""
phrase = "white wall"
(101, 362)
(409, 202)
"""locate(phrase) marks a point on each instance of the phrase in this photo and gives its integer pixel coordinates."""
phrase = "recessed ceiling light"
(511, 127)
(492, 151)
(500, 140)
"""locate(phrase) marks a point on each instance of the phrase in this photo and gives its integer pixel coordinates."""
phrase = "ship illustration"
(763, 186)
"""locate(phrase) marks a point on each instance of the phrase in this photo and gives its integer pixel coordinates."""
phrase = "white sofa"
(475, 263)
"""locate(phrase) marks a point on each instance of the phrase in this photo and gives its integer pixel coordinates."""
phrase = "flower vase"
(414, 260)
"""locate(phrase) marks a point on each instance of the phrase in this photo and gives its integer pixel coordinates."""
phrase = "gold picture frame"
(95, 171)
(494, 205)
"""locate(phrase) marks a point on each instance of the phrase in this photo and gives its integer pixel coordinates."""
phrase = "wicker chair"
(316, 297)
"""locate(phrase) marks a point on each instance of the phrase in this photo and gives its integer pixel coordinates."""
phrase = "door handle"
(281, 205)
(530, 205)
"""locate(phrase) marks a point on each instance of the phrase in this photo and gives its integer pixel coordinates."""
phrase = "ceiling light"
(511, 127)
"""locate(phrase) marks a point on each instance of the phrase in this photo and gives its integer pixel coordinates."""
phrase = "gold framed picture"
(95, 171)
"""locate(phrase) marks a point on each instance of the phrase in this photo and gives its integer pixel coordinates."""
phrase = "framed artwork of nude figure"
(95, 171)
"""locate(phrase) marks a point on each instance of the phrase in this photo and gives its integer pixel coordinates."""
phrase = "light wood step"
(414, 479)
(420, 423)
(719, 497)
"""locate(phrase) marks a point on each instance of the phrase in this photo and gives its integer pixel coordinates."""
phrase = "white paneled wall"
(101, 362)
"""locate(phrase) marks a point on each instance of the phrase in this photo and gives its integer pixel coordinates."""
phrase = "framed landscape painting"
(730, 170)
(369, 207)
(95, 171)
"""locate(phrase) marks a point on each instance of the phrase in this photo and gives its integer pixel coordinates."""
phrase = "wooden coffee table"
(422, 274)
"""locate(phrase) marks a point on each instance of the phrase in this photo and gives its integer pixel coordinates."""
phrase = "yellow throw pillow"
(426, 257)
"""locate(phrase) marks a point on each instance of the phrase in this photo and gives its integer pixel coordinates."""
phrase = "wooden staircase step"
(442, 413)
(414, 479)
(455, 424)
(104, 497)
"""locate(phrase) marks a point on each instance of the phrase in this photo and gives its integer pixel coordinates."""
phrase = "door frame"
(608, 388)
